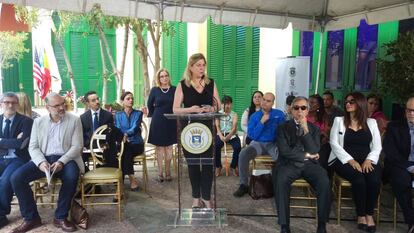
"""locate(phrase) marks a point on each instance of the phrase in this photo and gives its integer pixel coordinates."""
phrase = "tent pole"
(318, 71)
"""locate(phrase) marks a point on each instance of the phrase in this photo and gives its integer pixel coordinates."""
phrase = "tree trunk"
(124, 53)
(118, 77)
(154, 29)
(104, 74)
(70, 72)
(143, 55)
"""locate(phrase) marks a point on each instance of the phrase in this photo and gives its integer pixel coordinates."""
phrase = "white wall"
(128, 83)
(274, 43)
(196, 38)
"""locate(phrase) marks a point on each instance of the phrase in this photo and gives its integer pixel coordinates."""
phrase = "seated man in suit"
(298, 142)
(262, 129)
(93, 118)
(55, 146)
(398, 147)
(14, 138)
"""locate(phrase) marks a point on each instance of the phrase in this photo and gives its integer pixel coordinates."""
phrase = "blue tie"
(95, 121)
(6, 131)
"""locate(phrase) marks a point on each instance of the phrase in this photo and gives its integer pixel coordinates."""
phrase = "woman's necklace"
(165, 92)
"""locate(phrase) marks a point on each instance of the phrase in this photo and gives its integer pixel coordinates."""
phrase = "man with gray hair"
(262, 129)
(14, 138)
(55, 145)
(299, 142)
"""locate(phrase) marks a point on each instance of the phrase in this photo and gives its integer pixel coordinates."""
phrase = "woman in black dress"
(356, 145)
(196, 93)
(163, 132)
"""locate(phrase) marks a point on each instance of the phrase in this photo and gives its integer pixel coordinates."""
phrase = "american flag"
(41, 75)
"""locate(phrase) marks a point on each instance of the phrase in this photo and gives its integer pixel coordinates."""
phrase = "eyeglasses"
(409, 111)
(57, 105)
(303, 108)
(349, 101)
(9, 102)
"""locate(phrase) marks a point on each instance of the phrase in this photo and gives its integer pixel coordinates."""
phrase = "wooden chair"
(264, 160)
(339, 185)
(51, 193)
(141, 159)
(103, 175)
(307, 196)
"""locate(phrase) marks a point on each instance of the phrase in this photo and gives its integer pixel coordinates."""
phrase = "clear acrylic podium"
(196, 216)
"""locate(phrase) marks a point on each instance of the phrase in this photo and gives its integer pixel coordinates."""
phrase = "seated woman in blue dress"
(129, 122)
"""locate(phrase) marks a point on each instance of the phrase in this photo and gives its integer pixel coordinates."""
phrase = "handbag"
(79, 215)
(261, 186)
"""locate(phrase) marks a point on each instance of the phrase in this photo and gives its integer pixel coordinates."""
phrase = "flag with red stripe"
(41, 74)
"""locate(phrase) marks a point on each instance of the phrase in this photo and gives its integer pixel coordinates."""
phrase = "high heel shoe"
(207, 204)
(160, 178)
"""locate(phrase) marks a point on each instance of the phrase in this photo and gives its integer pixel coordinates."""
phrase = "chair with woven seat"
(103, 175)
(339, 184)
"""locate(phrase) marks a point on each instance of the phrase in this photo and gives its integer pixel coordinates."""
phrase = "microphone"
(215, 101)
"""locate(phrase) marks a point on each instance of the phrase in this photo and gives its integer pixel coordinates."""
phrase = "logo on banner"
(292, 72)
(196, 138)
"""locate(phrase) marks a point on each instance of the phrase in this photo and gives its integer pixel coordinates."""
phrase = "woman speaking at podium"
(196, 93)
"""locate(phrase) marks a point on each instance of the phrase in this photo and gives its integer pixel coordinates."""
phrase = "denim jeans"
(7, 167)
(29, 172)
(235, 144)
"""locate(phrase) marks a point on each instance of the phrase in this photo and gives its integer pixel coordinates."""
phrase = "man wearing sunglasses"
(299, 142)
(262, 129)
(398, 147)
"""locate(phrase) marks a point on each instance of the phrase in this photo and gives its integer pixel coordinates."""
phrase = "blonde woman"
(196, 93)
(163, 132)
(25, 107)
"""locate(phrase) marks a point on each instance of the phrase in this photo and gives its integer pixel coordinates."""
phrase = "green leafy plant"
(11, 47)
(397, 68)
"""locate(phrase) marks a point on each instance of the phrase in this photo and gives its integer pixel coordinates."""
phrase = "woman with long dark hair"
(129, 122)
(356, 146)
(318, 116)
(375, 112)
(254, 107)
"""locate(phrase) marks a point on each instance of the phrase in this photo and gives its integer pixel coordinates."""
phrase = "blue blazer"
(21, 124)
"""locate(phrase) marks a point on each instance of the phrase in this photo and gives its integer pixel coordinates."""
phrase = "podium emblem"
(196, 138)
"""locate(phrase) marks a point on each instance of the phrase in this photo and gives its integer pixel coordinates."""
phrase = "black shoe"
(284, 229)
(371, 229)
(362, 226)
(243, 189)
(321, 227)
(410, 229)
(3, 221)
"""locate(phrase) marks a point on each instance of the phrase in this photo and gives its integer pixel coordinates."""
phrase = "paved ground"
(154, 211)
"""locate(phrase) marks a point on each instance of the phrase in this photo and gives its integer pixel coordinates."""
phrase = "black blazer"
(21, 124)
(396, 144)
(292, 148)
(105, 118)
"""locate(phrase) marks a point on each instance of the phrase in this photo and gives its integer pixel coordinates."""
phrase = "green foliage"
(11, 47)
(397, 69)
(27, 15)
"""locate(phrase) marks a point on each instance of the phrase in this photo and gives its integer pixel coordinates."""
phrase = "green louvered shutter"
(174, 51)
(233, 62)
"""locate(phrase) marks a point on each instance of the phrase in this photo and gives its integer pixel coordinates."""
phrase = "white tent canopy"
(306, 15)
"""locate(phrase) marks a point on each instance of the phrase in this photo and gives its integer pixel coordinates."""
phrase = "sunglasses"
(349, 101)
(303, 108)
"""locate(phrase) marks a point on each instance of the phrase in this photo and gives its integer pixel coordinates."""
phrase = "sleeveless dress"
(162, 132)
